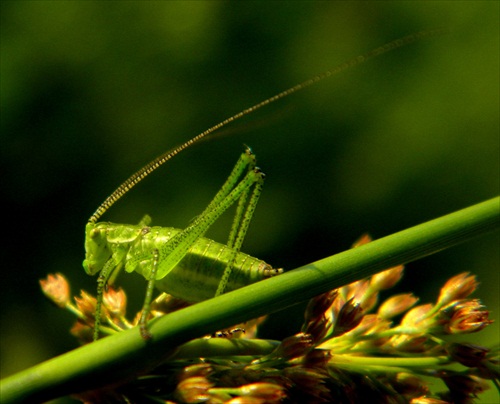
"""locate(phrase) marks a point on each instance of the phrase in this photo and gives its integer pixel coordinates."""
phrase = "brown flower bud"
(86, 304)
(364, 239)
(349, 317)
(115, 301)
(83, 332)
(386, 279)
(268, 391)
(410, 385)
(369, 323)
(465, 317)
(317, 328)
(193, 390)
(417, 317)
(464, 385)
(56, 288)
(198, 369)
(318, 305)
(457, 288)
(396, 304)
(467, 354)
(309, 383)
(317, 358)
(295, 345)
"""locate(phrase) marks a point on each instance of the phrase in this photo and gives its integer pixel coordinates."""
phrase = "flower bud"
(309, 383)
(417, 317)
(318, 305)
(396, 304)
(86, 304)
(295, 345)
(198, 369)
(317, 328)
(464, 385)
(364, 239)
(56, 288)
(268, 391)
(349, 317)
(193, 390)
(115, 301)
(465, 317)
(457, 288)
(387, 279)
(466, 354)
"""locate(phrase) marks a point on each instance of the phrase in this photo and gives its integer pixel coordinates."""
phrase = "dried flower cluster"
(349, 350)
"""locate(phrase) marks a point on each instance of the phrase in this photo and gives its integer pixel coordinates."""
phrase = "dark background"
(91, 91)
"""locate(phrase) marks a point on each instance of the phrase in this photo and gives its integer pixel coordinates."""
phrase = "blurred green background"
(91, 91)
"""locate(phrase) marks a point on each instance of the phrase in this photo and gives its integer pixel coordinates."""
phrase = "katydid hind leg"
(239, 229)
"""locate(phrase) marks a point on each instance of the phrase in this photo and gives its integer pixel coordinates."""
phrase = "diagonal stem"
(121, 356)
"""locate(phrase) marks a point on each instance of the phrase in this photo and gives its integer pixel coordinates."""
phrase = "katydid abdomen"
(196, 277)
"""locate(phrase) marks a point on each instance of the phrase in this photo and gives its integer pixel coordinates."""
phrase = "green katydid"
(183, 262)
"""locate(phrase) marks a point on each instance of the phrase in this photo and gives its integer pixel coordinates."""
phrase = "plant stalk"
(121, 357)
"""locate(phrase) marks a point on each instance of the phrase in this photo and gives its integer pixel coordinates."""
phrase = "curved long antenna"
(138, 176)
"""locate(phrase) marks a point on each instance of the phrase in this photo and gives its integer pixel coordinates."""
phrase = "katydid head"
(97, 249)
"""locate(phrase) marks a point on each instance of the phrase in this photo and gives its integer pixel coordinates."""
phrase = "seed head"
(115, 301)
(387, 279)
(349, 317)
(317, 328)
(457, 288)
(308, 385)
(56, 288)
(396, 304)
(364, 239)
(269, 392)
(295, 345)
(417, 317)
(318, 305)
(467, 354)
(465, 317)
(193, 390)
(463, 388)
(86, 304)
(83, 332)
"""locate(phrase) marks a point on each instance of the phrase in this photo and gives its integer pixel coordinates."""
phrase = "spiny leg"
(239, 228)
(102, 282)
(146, 308)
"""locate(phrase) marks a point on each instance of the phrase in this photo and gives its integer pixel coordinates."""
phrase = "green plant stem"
(121, 357)
(386, 365)
(361, 362)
